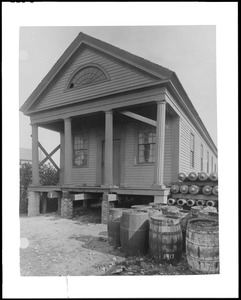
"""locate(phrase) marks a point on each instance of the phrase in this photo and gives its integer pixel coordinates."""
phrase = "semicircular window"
(87, 75)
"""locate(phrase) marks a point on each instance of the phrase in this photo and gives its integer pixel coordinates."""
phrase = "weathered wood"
(82, 196)
(49, 155)
(139, 118)
(46, 153)
(194, 197)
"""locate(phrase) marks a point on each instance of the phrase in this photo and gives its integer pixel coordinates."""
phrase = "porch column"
(160, 144)
(61, 175)
(108, 148)
(35, 155)
(67, 151)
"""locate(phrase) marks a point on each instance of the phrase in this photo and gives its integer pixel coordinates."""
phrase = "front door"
(116, 162)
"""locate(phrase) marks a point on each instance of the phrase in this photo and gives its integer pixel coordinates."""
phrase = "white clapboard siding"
(138, 175)
(121, 76)
(185, 161)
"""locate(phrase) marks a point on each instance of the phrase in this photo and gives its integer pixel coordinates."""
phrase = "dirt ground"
(53, 246)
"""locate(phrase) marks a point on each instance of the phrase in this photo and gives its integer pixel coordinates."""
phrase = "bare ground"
(79, 246)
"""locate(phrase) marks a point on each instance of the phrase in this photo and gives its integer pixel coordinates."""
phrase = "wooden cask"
(202, 176)
(184, 189)
(215, 190)
(194, 189)
(191, 202)
(192, 176)
(207, 190)
(134, 230)
(175, 189)
(212, 203)
(200, 202)
(171, 201)
(181, 202)
(213, 176)
(165, 239)
(202, 246)
(181, 176)
(113, 226)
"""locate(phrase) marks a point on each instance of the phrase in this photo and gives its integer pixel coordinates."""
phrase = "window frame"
(142, 128)
(68, 89)
(83, 136)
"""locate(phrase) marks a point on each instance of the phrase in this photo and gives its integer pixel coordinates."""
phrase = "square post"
(67, 152)
(35, 155)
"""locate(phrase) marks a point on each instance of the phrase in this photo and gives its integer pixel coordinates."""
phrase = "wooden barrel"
(181, 202)
(184, 216)
(213, 176)
(181, 176)
(170, 210)
(191, 202)
(202, 246)
(202, 176)
(192, 176)
(200, 202)
(154, 212)
(195, 210)
(157, 205)
(140, 206)
(194, 189)
(207, 190)
(165, 239)
(171, 201)
(215, 190)
(174, 189)
(134, 230)
(184, 189)
(208, 214)
(212, 203)
(113, 226)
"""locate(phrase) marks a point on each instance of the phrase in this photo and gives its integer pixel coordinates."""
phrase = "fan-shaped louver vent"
(86, 76)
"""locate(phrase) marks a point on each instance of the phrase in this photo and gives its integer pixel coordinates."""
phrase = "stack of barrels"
(166, 232)
(194, 189)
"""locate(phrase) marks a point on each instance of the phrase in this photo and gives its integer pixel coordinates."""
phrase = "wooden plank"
(199, 183)
(139, 117)
(82, 196)
(49, 155)
(194, 197)
(46, 153)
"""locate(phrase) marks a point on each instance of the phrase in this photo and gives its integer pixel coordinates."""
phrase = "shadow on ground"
(97, 243)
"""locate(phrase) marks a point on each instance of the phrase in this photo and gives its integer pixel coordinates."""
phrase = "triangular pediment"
(124, 70)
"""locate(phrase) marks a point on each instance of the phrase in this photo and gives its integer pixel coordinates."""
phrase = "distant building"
(26, 155)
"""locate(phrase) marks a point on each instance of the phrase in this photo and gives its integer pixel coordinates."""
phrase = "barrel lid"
(202, 223)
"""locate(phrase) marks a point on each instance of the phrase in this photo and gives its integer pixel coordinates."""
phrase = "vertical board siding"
(121, 76)
(185, 160)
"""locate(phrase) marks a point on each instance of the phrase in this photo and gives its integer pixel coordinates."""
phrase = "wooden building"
(126, 125)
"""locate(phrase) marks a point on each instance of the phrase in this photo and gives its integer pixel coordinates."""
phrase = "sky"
(189, 51)
(26, 58)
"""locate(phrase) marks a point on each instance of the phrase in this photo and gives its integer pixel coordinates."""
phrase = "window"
(87, 76)
(201, 157)
(212, 164)
(80, 151)
(192, 150)
(207, 162)
(146, 145)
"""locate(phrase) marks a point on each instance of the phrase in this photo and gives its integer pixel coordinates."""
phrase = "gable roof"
(165, 75)
(81, 40)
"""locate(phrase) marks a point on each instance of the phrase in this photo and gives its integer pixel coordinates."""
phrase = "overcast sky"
(189, 51)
